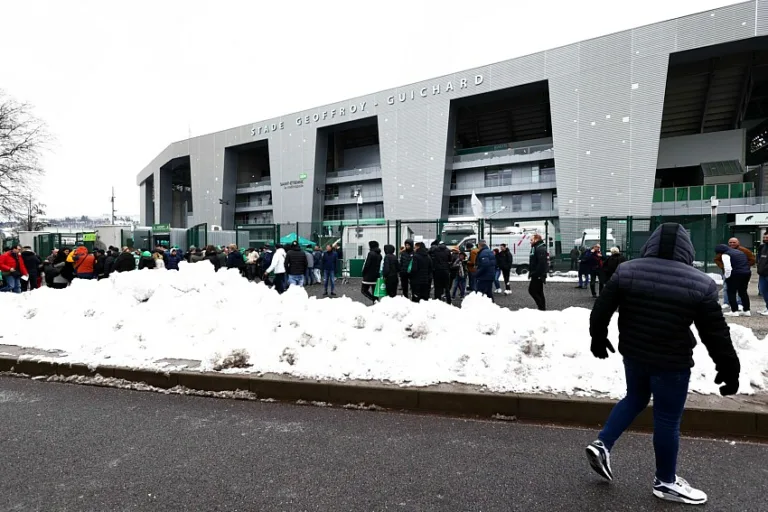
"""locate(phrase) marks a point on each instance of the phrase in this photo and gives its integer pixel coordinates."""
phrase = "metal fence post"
(398, 241)
(388, 232)
(603, 232)
(628, 248)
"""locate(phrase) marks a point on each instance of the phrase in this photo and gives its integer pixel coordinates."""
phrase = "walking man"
(659, 296)
(538, 271)
(485, 265)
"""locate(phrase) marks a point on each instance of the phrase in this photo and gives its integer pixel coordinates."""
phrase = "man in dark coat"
(737, 275)
(762, 271)
(296, 264)
(504, 262)
(593, 261)
(405, 259)
(125, 262)
(235, 258)
(538, 271)
(33, 263)
(575, 258)
(391, 270)
(485, 263)
(371, 270)
(659, 296)
(441, 265)
(420, 273)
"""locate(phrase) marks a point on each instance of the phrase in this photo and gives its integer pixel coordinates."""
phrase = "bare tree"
(32, 219)
(22, 138)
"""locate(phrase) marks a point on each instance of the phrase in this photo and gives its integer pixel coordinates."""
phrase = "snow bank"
(137, 318)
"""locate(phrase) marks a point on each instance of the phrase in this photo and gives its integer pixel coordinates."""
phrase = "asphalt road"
(559, 295)
(81, 448)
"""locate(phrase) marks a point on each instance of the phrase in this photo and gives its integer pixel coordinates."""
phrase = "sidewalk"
(741, 416)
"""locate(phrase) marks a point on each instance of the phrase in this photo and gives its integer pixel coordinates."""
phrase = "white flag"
(477, 206)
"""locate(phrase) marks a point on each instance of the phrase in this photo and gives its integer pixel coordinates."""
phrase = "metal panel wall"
(606, 98)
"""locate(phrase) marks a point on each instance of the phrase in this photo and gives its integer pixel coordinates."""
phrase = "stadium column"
(163, 210)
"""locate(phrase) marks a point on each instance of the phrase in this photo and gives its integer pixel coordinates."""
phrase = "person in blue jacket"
(486, 269)
(173, 260)
(330, 259)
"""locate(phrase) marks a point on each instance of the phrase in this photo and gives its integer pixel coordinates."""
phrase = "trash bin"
(356, 268)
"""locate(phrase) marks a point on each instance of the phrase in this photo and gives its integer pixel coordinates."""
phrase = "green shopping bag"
(381, 288)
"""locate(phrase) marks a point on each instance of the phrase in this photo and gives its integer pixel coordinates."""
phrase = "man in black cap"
(659, 296)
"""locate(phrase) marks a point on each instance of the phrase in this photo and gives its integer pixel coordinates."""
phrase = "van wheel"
(522, 270)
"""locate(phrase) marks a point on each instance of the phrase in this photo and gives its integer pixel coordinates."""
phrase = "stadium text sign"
(354, 108)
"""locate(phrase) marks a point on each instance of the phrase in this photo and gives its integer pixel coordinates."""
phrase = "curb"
(454, 400)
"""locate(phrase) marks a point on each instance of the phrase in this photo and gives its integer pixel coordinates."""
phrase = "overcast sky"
(117, 82)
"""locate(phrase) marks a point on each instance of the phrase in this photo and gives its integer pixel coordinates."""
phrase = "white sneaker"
(509, 292)
(680, 492)
(600, 459)
(498, 290)
(732, 313)
(746, 313)
(726, 306)
(764, 312)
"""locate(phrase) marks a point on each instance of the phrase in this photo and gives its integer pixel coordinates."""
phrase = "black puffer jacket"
(372, 265)
(441, 258)
(406, 256)
(659, 296)
(421, 271)
(391, 265)
(296, 261)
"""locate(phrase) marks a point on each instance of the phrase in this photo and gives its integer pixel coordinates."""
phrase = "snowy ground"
(138, 318)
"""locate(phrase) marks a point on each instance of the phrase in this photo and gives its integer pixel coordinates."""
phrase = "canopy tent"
(291, 237)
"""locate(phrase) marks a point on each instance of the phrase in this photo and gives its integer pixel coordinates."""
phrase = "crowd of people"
(417, 272)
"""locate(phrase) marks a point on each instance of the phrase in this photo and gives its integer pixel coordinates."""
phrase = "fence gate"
(197, 235)
(256, 236)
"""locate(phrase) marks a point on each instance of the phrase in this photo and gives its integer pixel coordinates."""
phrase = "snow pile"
(138, 318)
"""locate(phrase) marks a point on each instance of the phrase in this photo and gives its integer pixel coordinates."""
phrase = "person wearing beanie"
(612, 263)
(391, 270)
(658, 297)
(146, 261)
(405, 260)
(371, 270)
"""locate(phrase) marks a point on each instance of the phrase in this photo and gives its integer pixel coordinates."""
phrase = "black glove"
(731, 380)
(600, 348)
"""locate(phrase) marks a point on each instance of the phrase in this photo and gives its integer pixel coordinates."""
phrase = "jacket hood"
(722, 248)
(389, 249)
(373, 244)
(670, 241)
(408, 242)
(442, 246)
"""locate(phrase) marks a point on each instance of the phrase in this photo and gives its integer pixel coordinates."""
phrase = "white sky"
(118, 81)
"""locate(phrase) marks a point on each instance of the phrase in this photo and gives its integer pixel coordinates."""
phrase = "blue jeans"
(12, 284)
(309, 276)
(85, 275)
(669, 390)
(330, 277)
(472, 282)
(460, 283)
(585, 281)
(762, 285)
(295, 280)
(496, 282)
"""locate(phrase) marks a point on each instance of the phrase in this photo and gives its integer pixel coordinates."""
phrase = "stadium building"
(655, 120)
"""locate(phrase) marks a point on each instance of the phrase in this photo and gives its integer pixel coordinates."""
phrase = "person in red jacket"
(12, 267)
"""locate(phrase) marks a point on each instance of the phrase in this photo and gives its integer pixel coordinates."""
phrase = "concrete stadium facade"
(600, 135)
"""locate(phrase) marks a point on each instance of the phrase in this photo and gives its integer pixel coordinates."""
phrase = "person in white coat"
(278, 267)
